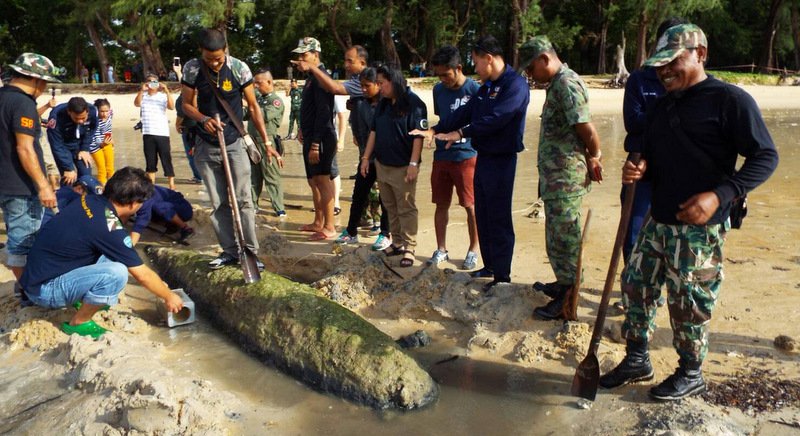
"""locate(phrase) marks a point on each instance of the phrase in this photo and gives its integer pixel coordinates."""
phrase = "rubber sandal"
(308, 228)
(337, 210)
(408, 259)
(89, 328)
(392, 250)
(77, 305)
(318, 236)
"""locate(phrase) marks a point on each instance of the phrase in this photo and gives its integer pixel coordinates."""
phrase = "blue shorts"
(96, 284)
(23, 216)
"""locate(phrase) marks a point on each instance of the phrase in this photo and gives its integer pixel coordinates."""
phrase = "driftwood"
(302, 333)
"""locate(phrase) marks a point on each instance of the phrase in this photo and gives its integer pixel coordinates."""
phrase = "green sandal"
(77, 305)
(89, 328)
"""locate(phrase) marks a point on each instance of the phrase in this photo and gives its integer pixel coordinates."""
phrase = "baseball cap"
(308, 44)
(674, 42)
(36, 66)
(533, 48)
(91, 184)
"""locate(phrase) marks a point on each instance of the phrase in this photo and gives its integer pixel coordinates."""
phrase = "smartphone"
(176, 61)
(53, 92)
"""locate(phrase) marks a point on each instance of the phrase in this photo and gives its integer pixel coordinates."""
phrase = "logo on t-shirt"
(459, 102)
(227, 85)
(26, 122)
(128, 242)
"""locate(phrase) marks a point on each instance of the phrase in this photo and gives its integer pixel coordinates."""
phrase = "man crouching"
(83, 255)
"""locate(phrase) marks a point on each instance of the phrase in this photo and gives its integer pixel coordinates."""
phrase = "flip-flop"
(408, 259)
(308, 228)
(319, 236)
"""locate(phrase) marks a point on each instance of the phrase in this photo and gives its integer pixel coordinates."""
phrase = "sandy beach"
(128, 382)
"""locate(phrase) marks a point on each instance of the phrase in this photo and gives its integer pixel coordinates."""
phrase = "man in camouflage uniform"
(569, 159)
(267, 173)
(295, 94)
(694, 135)
(24, 188)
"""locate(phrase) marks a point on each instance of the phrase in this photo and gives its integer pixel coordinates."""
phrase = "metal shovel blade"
(249, 263)
(587, 377)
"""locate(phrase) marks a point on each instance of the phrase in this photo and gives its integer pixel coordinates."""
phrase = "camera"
(153, 84)
(176, 61)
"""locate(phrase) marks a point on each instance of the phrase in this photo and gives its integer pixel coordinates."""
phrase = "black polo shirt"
(17, 115)
(393, 144)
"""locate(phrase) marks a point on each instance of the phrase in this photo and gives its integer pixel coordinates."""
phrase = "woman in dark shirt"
(397, 158)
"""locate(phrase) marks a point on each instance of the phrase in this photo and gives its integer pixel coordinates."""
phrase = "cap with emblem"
(308, 44)
(674, 42)
(36, 66)
(532, 48)
(90, 184)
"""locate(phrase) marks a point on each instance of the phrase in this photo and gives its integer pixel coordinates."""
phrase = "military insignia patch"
(276, 103)
(26, 122)
(51, 124)
(128, 242)
(227, 85)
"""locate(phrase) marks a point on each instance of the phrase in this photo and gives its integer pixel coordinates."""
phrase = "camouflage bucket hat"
(308, 44)
(36, 66)
(674, 42)
(533, 48)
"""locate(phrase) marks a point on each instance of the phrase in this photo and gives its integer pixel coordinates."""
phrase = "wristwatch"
(413, 164)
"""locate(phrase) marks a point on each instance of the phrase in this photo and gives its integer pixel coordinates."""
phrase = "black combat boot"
(552, 289)
(687, 380)
(633, 368)
(554, 309)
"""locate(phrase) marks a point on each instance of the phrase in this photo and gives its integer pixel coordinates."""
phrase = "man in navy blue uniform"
(70, 131)
(166, 207)
(494, 119)
(84, 254)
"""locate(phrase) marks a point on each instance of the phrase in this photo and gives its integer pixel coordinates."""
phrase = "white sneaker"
(470, 261)
(382, 242)
(438, 257)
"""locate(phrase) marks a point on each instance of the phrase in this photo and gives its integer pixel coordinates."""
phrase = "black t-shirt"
(231, 80)
(316, 112)
(17, 115)
(393, 144)
(722, 122)
(84, 230)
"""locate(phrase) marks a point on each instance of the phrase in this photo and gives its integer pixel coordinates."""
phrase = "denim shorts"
(23, 216)
(96, 284)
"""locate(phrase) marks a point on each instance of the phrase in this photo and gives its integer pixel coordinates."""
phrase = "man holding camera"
(154, 98)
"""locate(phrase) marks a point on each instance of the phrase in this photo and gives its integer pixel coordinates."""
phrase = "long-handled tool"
(247, 258)
(587, 376)
(570, 309)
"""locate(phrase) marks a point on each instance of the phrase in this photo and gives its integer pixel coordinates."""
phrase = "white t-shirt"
(154, 114)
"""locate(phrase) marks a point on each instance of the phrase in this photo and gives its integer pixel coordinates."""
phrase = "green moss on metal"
(302, 332)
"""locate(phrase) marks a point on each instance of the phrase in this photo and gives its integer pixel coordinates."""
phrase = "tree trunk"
(518, 8)
(766, 63)
(389, 48)
(641, 39)
(78, 62)
(332, 14)
(602, 43)
(622, 71)
(461, 19)
(102, 57)
(796, 35)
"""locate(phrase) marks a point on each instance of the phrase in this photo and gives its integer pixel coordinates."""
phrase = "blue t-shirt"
(161, 205)
(393, 144)
(84, 230)
(445, 102)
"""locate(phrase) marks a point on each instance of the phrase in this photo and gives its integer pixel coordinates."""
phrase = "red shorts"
(447, 174)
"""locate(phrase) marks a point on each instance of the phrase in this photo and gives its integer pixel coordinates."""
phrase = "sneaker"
(224, 259)
(345, 238)
(374, 230)
(186, 233)
(281, 214)
(438, 257)
(89, 328)
(470, 261)
(195, 181)
(382, 242)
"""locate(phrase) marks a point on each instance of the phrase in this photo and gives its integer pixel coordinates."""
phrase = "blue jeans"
(23, 216)
(188, 144)
(96, 284)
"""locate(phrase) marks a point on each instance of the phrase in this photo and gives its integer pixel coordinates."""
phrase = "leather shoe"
(489, 287)
(552, 310)
(552, 289)
(482, 273)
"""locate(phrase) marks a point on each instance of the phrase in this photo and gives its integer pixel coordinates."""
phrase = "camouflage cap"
(308, 44)
(674, 42)
(36, 66)
(533, 48)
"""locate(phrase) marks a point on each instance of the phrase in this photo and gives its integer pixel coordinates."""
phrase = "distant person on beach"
(102, 148)
(84, 75)
(83, 255)
(154, 98)
(24, 188)
(110, 73)
(694, 135)
(70, 131)
(295, 95)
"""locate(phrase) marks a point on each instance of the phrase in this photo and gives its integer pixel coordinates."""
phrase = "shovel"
(570, 309)
(587, 376)
(247, 258)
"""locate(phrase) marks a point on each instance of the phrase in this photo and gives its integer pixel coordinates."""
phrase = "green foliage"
(745, 78)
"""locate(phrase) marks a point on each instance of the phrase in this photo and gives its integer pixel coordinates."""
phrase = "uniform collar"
(11, 88)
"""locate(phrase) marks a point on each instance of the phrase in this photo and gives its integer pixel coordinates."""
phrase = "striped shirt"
(103, 127)
(154, 114)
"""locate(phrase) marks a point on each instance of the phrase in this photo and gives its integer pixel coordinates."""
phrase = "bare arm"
(170, 101)
(367, 153)
(138, 100)
(413, 170)
(30, 164)
(326, 81)
(153, 283)
(591, 141)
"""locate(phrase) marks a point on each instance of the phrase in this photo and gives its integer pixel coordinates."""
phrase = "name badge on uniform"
(493, 95)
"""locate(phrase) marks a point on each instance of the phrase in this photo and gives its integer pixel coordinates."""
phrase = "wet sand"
(514, 371)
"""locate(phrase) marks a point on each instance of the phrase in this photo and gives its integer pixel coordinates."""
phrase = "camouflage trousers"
(562, 231)
(688, 259)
